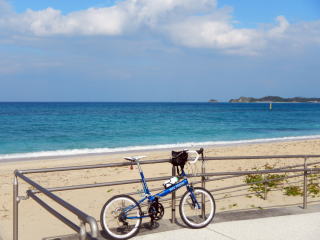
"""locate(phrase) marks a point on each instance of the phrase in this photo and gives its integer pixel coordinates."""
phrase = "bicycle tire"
(187, 204)
(109, 228)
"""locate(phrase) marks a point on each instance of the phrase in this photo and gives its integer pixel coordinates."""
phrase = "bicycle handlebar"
(196, 158)
(197, 152)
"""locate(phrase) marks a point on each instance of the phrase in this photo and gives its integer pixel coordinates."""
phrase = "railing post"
(82, 233)
(203, 185)
(305, 184)
(15, 207)
(265, 189)
(173, 200)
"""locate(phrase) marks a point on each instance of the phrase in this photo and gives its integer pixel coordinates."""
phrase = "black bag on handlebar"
(179, 159)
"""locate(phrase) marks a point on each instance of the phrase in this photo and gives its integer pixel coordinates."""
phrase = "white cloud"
(283, 25)
(115, 20)
(107, 21)
(190, 23)
(210, 33)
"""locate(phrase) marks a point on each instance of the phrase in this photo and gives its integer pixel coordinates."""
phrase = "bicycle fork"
(195, 203)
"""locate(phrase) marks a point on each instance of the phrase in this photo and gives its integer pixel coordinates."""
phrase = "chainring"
(156, 211)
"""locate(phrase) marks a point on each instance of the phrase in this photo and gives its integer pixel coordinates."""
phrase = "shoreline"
(52, 155)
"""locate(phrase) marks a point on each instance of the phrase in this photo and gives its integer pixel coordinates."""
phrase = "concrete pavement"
(280, 223)
(290, 227)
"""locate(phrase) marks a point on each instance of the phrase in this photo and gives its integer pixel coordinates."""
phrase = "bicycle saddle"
(134, 158)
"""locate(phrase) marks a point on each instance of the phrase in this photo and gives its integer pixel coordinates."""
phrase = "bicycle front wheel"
(120, 217)
(197, 208)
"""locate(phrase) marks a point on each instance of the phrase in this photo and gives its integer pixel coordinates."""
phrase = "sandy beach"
(36, 223)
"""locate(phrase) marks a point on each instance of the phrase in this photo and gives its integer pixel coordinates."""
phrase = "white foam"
(73, 152)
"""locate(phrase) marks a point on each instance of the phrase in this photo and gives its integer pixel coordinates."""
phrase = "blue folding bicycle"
(121, 216)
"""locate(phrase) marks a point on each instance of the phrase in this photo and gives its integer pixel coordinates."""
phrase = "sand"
(37, 223)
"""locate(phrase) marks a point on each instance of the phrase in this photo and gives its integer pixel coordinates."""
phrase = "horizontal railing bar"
(220, 178)
(286, 167)
(271, 190)
(235, 186)
(299, 175)
(122, 164)
(83, 216)
(239, 195)
(294, 182)
(246, 184)
(228, 192)
(241, 185)
(218, 189)
(105, 184)
(260, 157)
(54, 212)
(256, 172)
(71, 168)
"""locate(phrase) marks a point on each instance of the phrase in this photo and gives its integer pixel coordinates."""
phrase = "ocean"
(55, 129)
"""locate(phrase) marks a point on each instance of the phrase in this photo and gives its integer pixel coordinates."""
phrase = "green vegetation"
(314, 184)
(293, 191)
(257, 188)
(313, 189)
(261, 184)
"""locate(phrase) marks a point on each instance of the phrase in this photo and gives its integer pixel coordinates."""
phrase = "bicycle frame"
(163, 193)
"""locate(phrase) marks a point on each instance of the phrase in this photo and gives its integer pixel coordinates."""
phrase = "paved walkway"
(281, 223)
(291, 227)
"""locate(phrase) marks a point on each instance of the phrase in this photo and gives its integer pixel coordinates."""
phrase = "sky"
(158, 50)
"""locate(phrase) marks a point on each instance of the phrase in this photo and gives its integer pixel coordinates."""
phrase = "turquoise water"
(107, 127)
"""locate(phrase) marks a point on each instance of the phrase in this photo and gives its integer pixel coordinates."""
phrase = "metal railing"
(91, 221)
(83, 217)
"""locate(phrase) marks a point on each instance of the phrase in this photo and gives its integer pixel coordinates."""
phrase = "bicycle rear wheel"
(199, 213)
(120, 217)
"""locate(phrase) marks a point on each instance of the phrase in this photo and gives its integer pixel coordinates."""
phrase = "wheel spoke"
(114, 217)
(193, 213)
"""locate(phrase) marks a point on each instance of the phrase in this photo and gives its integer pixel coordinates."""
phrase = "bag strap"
(178, 169)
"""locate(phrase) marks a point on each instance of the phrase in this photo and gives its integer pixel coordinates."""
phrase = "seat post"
(138, 164)
(144, 183)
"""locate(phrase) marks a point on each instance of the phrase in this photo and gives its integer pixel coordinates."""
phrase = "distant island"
(213, 101)
(275, 99)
